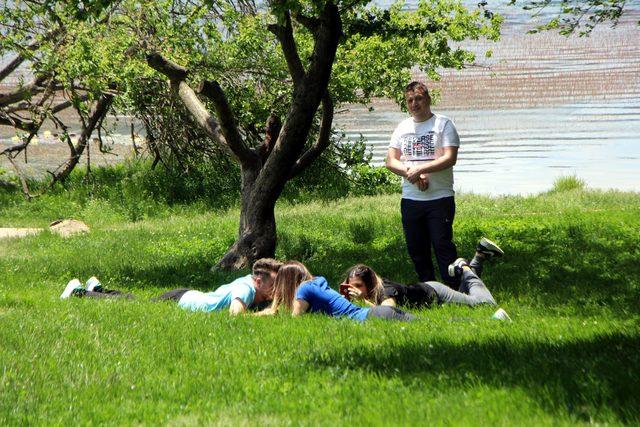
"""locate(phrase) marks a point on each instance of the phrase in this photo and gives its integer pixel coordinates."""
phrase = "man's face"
(417, 103)
(265, 285)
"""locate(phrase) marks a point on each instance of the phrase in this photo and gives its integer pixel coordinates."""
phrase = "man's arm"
(237, 307)
(394, 164)
(300, 306)
(397, 166)
(447, 160)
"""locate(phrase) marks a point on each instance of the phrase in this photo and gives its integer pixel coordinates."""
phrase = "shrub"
(567, 183)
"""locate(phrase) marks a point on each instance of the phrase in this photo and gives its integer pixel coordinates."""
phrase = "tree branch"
(20, 58)
(300, 117)
(322, 141)
(23, 182)
(308, 22)
(23, 92)
(205, 120)
(213, 91)
(66, 104)
(101, 109)
(11, 67)
(18, 123)
(284, 34)
(173, 71)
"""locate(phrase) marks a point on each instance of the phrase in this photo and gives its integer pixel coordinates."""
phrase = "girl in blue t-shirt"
(299, 292)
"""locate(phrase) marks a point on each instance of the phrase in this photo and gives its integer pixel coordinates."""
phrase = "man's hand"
(237, 307)
(423, 182)
(414, 174)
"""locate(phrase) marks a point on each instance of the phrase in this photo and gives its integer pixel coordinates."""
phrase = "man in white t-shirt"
(423, 150)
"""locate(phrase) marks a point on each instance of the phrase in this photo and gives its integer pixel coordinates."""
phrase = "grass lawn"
(570, 280)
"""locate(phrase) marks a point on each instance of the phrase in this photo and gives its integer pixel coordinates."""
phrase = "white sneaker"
(71, 286)
(93, 284)
(501, 315)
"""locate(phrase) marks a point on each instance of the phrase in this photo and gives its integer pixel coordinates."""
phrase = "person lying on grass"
(299, 292)
(247, 291)
(362, 283)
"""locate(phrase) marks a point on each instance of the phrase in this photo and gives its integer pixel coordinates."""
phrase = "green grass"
(570, 281)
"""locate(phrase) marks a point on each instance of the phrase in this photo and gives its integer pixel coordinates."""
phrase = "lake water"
(542, 106)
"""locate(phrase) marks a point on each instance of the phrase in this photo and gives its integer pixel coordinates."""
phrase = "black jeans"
(426, 224)
(173, 295)
(102, 294)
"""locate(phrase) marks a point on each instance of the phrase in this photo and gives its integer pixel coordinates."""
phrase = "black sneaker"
(489, 249)
(455, 268)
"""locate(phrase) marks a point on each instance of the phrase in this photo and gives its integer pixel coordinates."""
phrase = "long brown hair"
(372, 282)
(290, 276)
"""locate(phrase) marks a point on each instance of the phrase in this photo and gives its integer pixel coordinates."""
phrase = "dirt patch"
(68, 227)
(64, 228)
(18, 232)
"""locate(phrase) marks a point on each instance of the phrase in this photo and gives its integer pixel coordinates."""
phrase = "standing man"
(422, 151)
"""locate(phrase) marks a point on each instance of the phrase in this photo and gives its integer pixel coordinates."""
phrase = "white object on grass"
(501, 315)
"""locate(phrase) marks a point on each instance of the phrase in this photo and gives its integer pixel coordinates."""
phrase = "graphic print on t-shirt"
(421, 147)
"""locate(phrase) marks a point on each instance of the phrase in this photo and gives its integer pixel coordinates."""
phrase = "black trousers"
(173, 295)
(103, 294)
(427, 224)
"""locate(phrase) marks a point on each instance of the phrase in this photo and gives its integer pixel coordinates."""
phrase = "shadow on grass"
(552, 266)
(570, 265)
(195, 275)
(587, 379)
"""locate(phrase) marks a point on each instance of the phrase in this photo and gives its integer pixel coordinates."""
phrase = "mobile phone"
(344, 290)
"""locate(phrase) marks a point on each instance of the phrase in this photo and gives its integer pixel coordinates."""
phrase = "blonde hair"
(373, 282)
(290, 276)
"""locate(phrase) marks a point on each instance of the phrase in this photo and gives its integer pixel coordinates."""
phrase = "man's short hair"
(265, 266)
(413, 86)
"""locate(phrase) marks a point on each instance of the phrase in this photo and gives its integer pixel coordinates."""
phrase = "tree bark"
(257, 229)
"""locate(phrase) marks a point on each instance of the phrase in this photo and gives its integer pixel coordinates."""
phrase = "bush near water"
(570, 280)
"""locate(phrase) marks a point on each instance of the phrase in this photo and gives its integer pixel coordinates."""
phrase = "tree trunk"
(265, 171)
(257, 231)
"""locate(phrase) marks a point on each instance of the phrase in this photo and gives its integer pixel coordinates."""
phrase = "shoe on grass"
(73, 285)
(94, 285)
(489, 249)
(455, 268)
(501, 315)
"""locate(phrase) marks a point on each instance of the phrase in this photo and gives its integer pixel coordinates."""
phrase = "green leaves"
(383, 46)
(571, 16)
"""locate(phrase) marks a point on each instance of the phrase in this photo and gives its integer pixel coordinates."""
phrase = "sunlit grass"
(569, 279)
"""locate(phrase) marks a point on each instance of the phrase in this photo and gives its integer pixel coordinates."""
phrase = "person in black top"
(362, 283)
